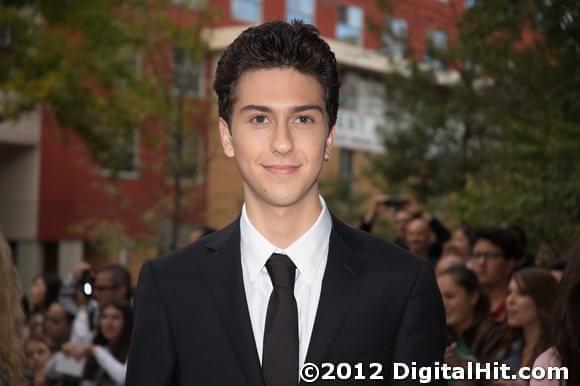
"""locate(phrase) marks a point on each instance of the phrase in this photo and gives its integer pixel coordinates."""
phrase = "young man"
(286, 283)
(493, 260)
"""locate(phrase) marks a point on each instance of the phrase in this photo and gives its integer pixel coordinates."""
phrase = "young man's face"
(492, 268)
(278, 136)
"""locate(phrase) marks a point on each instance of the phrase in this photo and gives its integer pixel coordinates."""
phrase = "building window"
(395, 35)
(349, 27)
(247, 10)
(122, 158)
(346, 163)
(469, 3)
(300, 10)
(346, 172)
(187, 75)
(436, 43)
(192, 156)
(50, 256)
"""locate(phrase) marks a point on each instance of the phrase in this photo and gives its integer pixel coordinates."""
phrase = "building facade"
(50, 188)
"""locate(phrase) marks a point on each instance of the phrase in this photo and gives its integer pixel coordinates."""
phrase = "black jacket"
(378, 303)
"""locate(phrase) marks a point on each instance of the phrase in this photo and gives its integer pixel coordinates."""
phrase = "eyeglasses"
(486, 255)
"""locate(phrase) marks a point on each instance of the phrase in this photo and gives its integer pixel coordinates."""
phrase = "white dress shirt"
(309, 253)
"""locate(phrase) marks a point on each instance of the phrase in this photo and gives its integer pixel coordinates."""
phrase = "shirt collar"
(307, 252)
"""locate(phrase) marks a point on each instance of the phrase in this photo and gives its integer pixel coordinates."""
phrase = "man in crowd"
(493, 260)
(427, 242)
(112, 282)
(418, 238)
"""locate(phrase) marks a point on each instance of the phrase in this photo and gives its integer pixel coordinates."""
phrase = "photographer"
(64, 369)
(404, 211)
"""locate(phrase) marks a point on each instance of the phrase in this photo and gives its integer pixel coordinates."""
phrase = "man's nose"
(282, 142)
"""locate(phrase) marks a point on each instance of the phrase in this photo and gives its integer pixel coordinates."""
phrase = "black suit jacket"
(378, 303)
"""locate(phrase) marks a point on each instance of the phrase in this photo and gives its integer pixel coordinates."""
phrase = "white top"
(81, 332)
(115, 369)
(309, 253)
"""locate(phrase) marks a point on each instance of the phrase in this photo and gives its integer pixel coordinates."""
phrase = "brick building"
(49, 184)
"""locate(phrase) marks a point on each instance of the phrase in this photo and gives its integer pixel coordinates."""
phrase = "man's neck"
(283, 225)
(496, 295)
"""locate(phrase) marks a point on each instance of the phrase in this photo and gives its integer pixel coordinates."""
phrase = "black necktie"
(280, 355)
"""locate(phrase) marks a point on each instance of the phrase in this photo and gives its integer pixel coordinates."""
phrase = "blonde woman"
(11, 320)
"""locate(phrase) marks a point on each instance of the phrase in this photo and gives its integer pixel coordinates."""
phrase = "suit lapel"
(224, 275)
(340, 285)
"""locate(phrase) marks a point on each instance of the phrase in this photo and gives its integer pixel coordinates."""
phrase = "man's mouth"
(281, 170)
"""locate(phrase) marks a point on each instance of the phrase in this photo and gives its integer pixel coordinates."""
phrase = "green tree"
(112, 73)
(496, 134)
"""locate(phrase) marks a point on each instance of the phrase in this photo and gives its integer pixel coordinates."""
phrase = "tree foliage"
(497, 133)
(111, 72)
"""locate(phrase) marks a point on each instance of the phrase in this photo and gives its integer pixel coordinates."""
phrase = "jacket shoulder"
(189, 255)
(378, 253)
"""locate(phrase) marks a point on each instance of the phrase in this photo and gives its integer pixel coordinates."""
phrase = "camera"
(86, 284)
(395, 202)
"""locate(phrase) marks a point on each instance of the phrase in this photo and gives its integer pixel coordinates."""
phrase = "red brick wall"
(72, 190)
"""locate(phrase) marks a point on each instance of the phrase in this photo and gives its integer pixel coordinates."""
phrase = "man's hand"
(377, 202)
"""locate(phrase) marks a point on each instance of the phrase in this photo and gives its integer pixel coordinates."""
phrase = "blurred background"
(458, 138)
(109, 153)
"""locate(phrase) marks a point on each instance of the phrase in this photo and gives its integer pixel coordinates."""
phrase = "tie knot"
(282, 270)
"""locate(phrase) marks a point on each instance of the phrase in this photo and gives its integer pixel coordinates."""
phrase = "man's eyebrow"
(300, 109)
(263, 109)
(297, 109)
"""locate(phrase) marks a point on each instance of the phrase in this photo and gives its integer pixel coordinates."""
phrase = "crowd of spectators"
(73, 333)
(499, 306)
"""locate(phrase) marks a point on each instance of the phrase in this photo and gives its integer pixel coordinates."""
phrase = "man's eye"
(304, 119)
(259, 119)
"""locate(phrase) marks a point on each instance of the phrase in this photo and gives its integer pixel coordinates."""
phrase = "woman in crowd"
(472, 333)
(460, 239)
(529, 305)
(39, 349)
(58, 324)
(43, 292)
(107, 355)
(447, 261)
(565, 326)
(11, 320)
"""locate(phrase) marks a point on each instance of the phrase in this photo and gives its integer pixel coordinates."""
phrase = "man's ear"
(329, 143)
(226, 138)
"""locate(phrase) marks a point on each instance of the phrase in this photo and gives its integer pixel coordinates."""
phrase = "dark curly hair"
(500, 238)
(277, 44)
